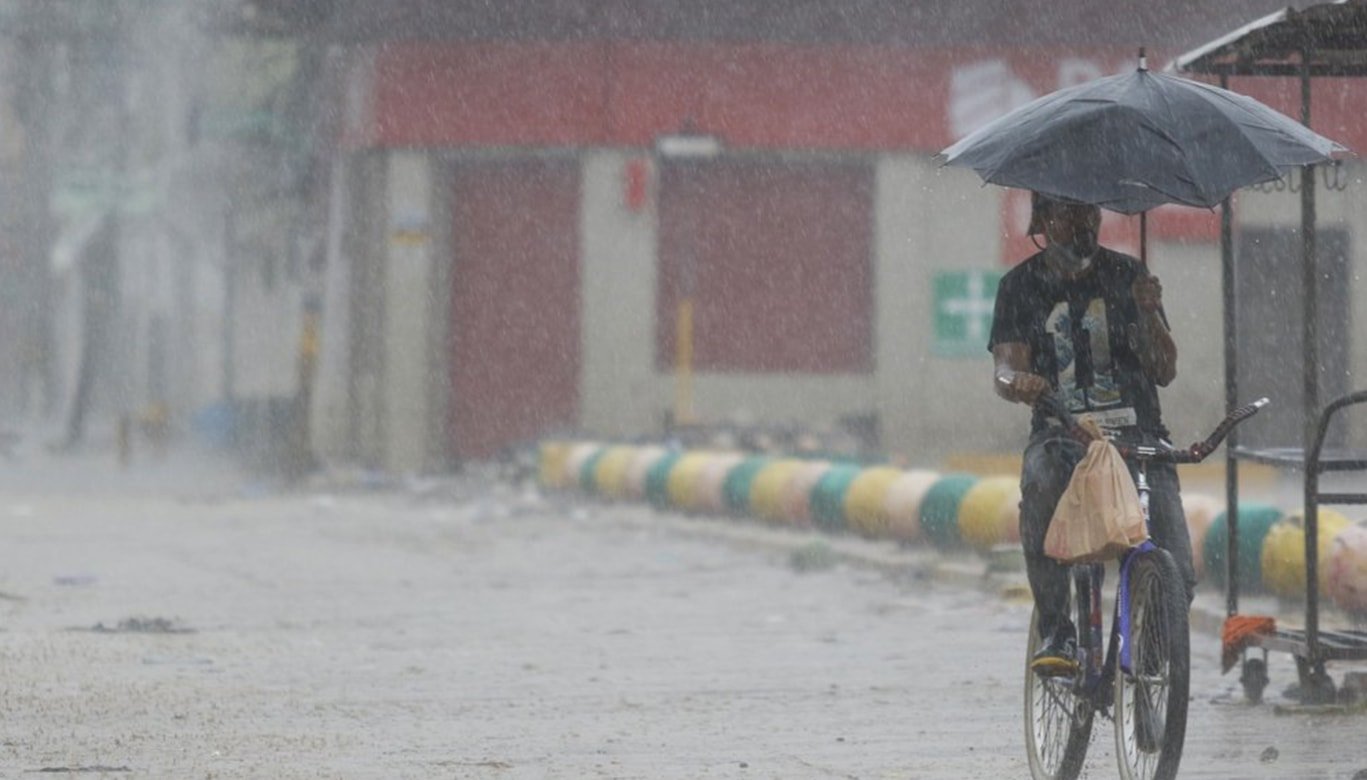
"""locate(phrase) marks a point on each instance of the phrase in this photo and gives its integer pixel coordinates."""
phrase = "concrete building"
(521, 198)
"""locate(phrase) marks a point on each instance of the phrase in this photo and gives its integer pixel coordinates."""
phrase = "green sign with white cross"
(963, 312)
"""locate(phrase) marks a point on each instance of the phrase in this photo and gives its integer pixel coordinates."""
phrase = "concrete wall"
(415, 316)
(330, 410)
(926, 219)
(622, 394)
(380, 390)
(345, 422)
(1190, 274)
(619, 394)
(948, 404)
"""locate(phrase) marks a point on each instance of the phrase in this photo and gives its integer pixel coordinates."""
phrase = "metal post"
(683, 317)
(1227, 289)
(691, 149)
(1310, 346)
(1310, 274)
(228, 364)
(1312, 522)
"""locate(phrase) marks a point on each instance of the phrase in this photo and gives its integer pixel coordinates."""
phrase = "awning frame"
(1327, 40)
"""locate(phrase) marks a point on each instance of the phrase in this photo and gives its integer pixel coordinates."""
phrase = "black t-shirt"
(1079, 334)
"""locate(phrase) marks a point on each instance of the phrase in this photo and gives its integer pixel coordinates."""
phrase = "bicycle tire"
(1160, 680)
(1052, 754)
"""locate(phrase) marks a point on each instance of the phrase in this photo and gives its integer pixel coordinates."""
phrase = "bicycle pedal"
(1054, 667)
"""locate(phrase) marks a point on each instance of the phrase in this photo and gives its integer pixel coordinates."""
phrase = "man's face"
(1063, 221)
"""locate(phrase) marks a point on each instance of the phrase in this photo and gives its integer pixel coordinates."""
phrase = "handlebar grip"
(1196, 453)
(1235, 417)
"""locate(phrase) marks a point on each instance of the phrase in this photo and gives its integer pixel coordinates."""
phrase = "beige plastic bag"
(1099, 516)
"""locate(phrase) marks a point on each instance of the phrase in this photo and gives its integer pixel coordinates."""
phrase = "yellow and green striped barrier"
(1283, 555)
(980, 512)
(796, 495)
(903, 503)
(866, 510)
(940, 509)
(946, 510)
(766, 490)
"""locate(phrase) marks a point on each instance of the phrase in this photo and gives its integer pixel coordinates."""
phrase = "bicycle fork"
(1122, 598)
(1098, 669)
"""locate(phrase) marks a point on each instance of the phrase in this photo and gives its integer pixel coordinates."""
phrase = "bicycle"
(1146, 664)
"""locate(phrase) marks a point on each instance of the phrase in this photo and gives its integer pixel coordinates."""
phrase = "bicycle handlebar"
(1194, 454)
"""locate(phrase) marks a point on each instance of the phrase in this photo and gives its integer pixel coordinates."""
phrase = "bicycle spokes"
(1058, 720)
(1151, 694)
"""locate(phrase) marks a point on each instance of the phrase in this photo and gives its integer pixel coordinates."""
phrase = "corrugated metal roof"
(1329, 39)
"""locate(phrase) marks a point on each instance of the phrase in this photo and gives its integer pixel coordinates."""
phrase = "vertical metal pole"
(1227, 289)
(683, 318)
(1312, 522)
(1309, 275)
(1310, 281)
(229, 334)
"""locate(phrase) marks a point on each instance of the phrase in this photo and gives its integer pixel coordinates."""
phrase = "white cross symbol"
(974, 306)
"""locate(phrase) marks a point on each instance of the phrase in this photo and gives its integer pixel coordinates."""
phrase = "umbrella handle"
(1143, 223)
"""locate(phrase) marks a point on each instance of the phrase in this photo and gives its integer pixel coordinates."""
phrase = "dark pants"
(1047, 466)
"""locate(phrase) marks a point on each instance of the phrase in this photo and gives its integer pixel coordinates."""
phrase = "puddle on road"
(138, 625)
(94, 768)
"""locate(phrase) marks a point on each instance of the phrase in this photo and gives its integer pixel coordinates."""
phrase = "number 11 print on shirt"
(1082, 352)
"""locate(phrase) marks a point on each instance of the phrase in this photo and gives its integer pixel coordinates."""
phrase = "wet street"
(470, 629)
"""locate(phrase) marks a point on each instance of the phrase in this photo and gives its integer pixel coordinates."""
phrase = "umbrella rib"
(1181, 151)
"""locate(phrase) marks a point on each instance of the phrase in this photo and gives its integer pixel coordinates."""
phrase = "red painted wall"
(752, 96)
(764, 95)
(514, 303)
(781, 266)
(572, 94)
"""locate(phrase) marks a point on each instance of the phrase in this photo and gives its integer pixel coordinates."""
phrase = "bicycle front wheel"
(1151, 698)
(1058, 721)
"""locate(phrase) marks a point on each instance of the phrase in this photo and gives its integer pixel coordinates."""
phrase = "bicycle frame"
(1098, 668)
(1148, 743)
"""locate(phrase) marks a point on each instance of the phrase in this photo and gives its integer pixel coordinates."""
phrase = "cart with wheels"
(1312, 646)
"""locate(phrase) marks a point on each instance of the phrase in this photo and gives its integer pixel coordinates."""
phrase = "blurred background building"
(409, 233)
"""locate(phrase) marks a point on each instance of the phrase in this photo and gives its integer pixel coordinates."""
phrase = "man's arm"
(1157, 350)
(1011, 377)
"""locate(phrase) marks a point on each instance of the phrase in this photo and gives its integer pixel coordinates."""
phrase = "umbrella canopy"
(1130, 142)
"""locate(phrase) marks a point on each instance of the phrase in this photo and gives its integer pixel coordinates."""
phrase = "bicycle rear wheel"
(1151, 699)
(1058, 722)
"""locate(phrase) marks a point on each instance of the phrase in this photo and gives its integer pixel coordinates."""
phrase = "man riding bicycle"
(1087, 324)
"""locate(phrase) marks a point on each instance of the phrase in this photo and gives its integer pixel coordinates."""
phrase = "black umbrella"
(1130, 142)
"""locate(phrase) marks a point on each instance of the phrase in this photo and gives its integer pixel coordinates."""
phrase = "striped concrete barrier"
(609, 476)
(940, 509)
(642, 460)
(903, 503)
(1255, 520)
(796, 495)
(551, 463)
(866, 502)
(1346, 580)
(1200, 511)
(766, 491)
(828, 497)
(947, 510)
(681, 486)
(980, 511)
(1283, 556)
(712, 480)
